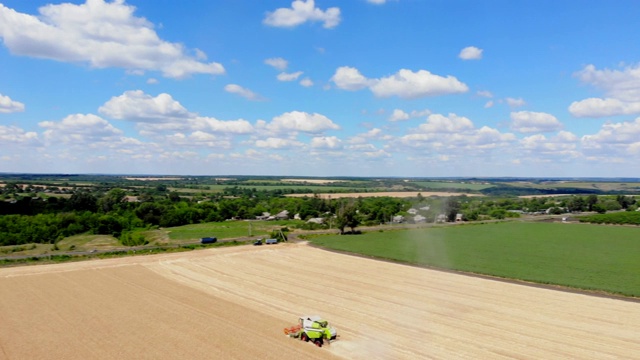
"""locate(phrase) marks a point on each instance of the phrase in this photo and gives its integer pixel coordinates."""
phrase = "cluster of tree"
(111, 211)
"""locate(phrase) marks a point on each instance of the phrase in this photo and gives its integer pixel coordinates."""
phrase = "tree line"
(113, 212)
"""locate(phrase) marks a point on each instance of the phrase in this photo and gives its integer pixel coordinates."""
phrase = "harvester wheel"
(304, 337)
(318, 342)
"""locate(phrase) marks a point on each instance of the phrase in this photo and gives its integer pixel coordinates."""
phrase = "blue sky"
(411, 88)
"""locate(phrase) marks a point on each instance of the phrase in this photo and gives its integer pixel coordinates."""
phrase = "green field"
(225, 230)
(593, 257)
(439, 185)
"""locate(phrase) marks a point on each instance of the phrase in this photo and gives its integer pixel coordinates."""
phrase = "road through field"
(232, 303)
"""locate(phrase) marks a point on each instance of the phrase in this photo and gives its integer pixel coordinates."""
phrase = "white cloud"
(488, 104)
(620, 84)
(289, 77)
(564, 144)
(404, 84)
(9, 106)
(301, 122)
(455, 134)
(621, 87)
(326, 142)
(485, 93)
(438, 123)
(410, 85)
(300, 12)
(529, 122)
(617, 139)
(399, 115)
(162, 114)
(470, 53)
(102, 34)
(237, 127)
(278, 143)
(80, 129)
(278, 63)
(244, 92)
(377, 2)
(152, 81)
(596, 107)
(197, 139)
(12, 135)
(135, 105)
(515, 102)
(350, 78)
(306, 82)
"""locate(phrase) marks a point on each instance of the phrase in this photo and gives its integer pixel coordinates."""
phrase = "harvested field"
(397, 194)
(232, 303)
(313, 181)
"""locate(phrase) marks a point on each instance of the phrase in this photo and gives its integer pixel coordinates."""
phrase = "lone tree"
(347, 216)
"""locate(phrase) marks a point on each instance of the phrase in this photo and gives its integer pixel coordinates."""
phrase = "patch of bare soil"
(233, 303)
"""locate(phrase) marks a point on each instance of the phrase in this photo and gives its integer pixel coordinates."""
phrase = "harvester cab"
(312, 328)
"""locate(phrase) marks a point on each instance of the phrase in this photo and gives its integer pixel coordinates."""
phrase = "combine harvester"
(312, 328)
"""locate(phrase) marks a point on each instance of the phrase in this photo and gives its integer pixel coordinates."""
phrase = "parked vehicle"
(208, 240)
(258, 242)
(271, 241)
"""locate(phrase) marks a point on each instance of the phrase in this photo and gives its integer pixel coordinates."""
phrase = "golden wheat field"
(233, 303)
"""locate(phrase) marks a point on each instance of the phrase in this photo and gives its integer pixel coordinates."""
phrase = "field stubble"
(232, 303)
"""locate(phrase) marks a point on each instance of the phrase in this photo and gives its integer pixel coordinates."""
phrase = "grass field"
(224, 230)
(438, 185)
(592, 257)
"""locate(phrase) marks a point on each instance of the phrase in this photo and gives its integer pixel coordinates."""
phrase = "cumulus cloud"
(453, 133)
(399, 115)
(278, 143)
(300, 12)
(80, 129)
(306, 82)
(515, 102)
(621, 88)
(210, 124)
(350, 78)
(9, 106)
(485, 93)
(411, 85)
(489, 104)
(289, 76)
(13, 135)
(101, 34)
(244, 92)
(161, 115)
(470, 53)
(618, 139)
(326, 142)
(529, 122)
(299, 121)
(278, 63)
(404, 84)
(563, 144)
(135, 105)
(377, 2)
(596, 107)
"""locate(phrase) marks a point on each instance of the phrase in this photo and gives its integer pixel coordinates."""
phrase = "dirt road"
(232, 303)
